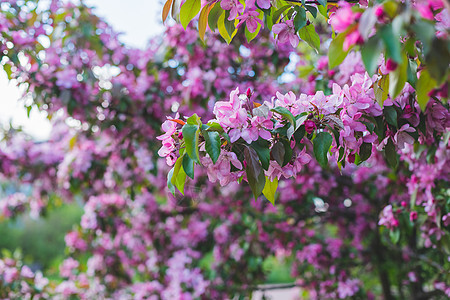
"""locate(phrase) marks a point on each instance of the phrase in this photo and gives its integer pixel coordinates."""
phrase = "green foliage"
(188, 11)
(309, 35)
(336, 53)
(191, 141)
(370, 54)
(424, 86)
(42, 240)
(322, 143)
(255, 174)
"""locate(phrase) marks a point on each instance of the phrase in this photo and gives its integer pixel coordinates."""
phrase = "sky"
(138, 20)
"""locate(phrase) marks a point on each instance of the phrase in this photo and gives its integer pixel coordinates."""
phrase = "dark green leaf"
(370, 53)
(261, 147)
(391, 115)
(438, 60)
(365, 151)
(191, 141)
(300, 18)
(322, 144)
(392, 43)
(322, 2)
(425, 32)
(312, 10)
(212, 144)
(278, 152)
(391, 154)
(255, 174)
(287, 152)
(285, 113)
(336, 53)
(188, 166)
(299, 134)
(213, 16)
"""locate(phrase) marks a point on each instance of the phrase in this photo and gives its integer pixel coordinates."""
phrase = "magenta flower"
(251, 20)
(402, 137)
(264, 4)
(258, 128)
(387, 218)
(343, 17)
(286, 32)
(231, 114)
(234, 6)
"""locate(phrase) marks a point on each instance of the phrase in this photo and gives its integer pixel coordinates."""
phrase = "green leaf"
(392, 43)
(255, 174)
(169, 181)
(179, 175)
(397, 78)
(191, 141)
(188, 11)
(194, 120)
(391, 115)
(300, 18)
(214, 15)
(322, 2)
(425, 84)
(287, 152)
(212, 144)
(323, 11)
(438, 60)
(299, 134)
(425, 32)
(261, 147)
(381, 89)
(277, 14)
(370, 53)
(285, 113)
(278, 152)
(365, 151)
(412, 73)
(391, 154)
(229, 25)
(214, 126)
(270, 189)
(394, 235)
(188, 166)
(312, 10)
(309, 35)
(322, 144)
(336, 53)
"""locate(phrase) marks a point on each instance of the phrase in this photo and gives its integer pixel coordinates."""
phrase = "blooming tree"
(360, 138)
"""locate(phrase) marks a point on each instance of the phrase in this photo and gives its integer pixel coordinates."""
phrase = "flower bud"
(391, 65)
(310, 126)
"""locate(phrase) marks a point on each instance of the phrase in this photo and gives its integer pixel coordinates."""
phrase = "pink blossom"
(343, 17)
(234, 6)
(286, 32)
(231, 114)
(402, 137)
(387, 218)
(251, 19)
